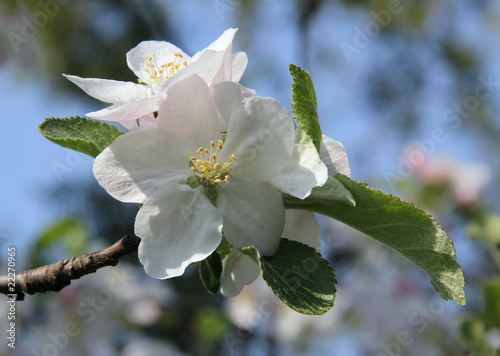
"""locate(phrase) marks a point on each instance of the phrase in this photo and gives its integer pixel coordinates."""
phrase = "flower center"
(158, 73)
(207, 166)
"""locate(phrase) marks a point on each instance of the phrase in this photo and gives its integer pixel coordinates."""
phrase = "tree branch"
(56, 276)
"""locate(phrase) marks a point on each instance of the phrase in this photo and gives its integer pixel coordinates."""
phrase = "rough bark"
(56, 276)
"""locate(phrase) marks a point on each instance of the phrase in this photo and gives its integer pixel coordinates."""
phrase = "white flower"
(239, 269)
(158, 65)
(228, 150)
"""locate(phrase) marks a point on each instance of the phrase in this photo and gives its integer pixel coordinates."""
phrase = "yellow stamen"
(155, 72)
(207, 167)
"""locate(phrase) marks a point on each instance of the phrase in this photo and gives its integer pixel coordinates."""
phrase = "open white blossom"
(207, 168)
(158, 65)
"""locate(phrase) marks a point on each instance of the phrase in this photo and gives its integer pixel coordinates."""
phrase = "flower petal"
(189, 111)
(109, 91)
(138, 163)
(260, 134)
(226, 94)
(333, 154)
(224, 41)
(254, 214)
(163, 53)
(146, 122)
(304, 171)
(224, 45)
(127, 112)
(240, 61)
(177, 227)
(302, 226)
(206, 66)
(238, 271)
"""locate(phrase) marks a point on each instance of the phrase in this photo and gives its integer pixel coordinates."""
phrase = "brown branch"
(56, 276)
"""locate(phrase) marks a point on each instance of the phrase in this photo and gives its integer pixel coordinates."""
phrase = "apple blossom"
(207, 170)
(158, 65)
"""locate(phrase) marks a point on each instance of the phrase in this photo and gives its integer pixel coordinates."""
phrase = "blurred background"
(411, 88)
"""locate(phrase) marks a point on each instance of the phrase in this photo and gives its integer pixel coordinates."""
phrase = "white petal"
(177, 227)
(224, 41)
(304, 171)
(302, 226)
(238, 271)
(254, 214)
(223, 74)
(226, 94)
(224, 44)
(127, 112)
(206, 66)
(333, 154)
(189, 111)
(138, 163)
(163, 51)
(239, 63)
(260, 134)
(109, 91)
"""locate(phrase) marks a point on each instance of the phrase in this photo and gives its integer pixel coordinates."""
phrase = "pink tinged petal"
(254, 214)
(178, 226)
(138, 163)
(302, 226)
(127, 112)
(227, 94)
(304, 171)
(163, 51)
(333, 154)
(261, 136)
(109, 91)
(239, 64)
(239, 270)
(189, 111)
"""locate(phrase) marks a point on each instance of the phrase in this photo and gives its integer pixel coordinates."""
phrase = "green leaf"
(80, 134)
(69, 235)
(72, 232)
(491, 293)
(399, 225)
(298, 275)
(210, 272)
(304, 105)
(224, 248)
(333, 191)
(486, 228)
(473, 333)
